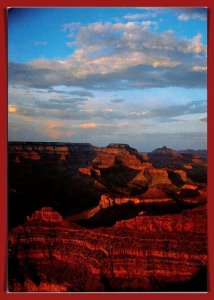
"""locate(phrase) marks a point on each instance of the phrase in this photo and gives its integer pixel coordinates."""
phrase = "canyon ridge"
(103, 219)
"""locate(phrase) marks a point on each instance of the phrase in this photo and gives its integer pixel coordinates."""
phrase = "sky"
(108, 75)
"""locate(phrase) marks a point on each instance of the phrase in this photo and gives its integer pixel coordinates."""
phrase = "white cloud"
(182, 13)
(148, 24)
(196, 45)
(145, 15)
(134, 113)
(183, 17)
(192, 16)
(199, 68)
(118, 55)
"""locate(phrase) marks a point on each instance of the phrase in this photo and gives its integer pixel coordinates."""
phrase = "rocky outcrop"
(139, 182)
(163, 157)
(108, 201)
(84, 218)
(46, 214)
(166, 157)
(85, 153)
(152, 195)
(141, 254)
(75, 176)
(76, 153)
(121, 154)
(90, 171)
(201, 153)
(157, 176)
(178, 177)
(191, 194)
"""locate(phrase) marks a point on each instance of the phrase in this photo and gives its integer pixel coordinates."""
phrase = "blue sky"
(102, 75)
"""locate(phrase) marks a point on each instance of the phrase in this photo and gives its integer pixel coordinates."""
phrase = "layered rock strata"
(85, 218)
(141, 254)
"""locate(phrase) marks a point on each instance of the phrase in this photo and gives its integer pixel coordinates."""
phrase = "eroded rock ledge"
(141, 254)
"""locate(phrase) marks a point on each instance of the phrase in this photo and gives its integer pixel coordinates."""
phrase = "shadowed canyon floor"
(84, 218)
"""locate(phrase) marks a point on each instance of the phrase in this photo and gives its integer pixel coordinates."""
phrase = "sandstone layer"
(85, 218)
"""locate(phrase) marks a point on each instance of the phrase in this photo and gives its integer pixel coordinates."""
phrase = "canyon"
(102, 219)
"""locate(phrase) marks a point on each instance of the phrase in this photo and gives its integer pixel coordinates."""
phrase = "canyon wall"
(85, 218)
(141, 254)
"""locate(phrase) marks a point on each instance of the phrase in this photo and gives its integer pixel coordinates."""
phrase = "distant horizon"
(137, 75)
(103, 146)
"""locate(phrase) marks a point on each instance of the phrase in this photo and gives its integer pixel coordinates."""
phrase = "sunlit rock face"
(46, 214)
(84, 218)
(75, 153)
(140, 254)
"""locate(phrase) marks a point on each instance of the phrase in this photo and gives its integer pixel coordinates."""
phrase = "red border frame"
(3, 143)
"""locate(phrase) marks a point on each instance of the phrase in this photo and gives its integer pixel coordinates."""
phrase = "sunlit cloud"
(88, 125)
(132, 77)
(56, 129)
(124, 47)
(199, 68)
(134, 113)
(12, 109)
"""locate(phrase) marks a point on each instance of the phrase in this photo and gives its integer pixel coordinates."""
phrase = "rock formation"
(84, 218)
(140, 254)
(46, 214)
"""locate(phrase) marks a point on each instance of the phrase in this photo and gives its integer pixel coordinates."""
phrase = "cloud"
(105, 118)
(171, 111)
(55, 130)
(81, 93)
(159, 59)
(72, 27)
(146, 76)
(196, 45)
(203, 119)
(192, 14)
(182, 13)
(12, 109)
(138, 114)
(140, 16)
(100, 125)
(46, 131)
(20, 110)
(145, 24)
(117, 100)
(74, 98)
(88, 125)
(199, 68)
(183, 17)
(139, 129)
(65, 109)
(56, 104)
(68, 100)
(29, 101)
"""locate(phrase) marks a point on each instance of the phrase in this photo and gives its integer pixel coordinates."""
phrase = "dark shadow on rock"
(198, 283)
(109, 216)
